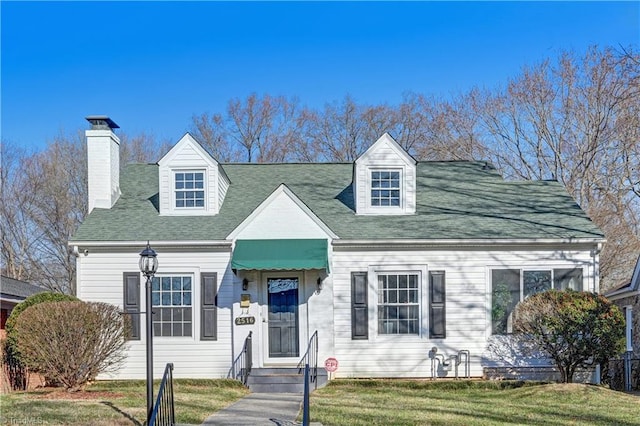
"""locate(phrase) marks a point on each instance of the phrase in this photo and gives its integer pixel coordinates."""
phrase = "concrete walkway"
(260, 409)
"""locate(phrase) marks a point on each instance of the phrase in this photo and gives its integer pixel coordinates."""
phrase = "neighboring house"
(386, 257)
(627, 298)
(13, 292)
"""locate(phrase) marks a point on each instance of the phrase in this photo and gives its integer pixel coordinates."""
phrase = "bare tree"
(44, 200)
(210, 131)
(576, 120)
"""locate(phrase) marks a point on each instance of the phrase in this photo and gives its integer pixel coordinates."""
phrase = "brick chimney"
(103, 162)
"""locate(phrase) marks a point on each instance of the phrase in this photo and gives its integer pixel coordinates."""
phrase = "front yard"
(116, 403)
(379, 402)
(343, 402)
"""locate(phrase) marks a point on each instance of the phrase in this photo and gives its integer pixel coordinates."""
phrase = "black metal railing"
(310, 358)
(243, 363)
(164, 410)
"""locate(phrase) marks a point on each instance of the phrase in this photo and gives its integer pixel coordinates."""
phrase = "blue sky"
(151, 66)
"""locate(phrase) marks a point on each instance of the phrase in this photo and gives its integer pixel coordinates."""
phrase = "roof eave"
(464, 242)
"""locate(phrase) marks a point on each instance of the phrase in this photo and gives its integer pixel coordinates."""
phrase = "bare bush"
(72, 342)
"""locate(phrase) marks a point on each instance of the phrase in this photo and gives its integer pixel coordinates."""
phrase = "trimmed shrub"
(72, 342)
(573, 328)
(16, 373)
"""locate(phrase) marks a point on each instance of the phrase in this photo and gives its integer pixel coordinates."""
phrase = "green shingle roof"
(455, 200)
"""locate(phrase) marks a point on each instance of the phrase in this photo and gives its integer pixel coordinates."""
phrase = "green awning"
(280, 255)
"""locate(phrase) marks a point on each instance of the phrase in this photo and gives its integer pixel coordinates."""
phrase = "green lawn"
(345, 402)
(379, 402)
(117, 403)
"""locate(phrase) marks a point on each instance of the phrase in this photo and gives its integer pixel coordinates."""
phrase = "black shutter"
(359, 306)
(131, 302)
(437, 311)
(209, 306)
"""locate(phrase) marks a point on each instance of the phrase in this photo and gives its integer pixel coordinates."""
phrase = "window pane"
(186, 298)
(177, 314)
(166, 299)
(176, 283)
(392, 281)
(166, 283)
(155, 284)
(186, 283)
(165, 314)
(177, 329)
(505, 295)
(535, 282)
(177, 298)
(155, 298)
(187, 330)
(567, 279)
(413, 296)
(166, 329)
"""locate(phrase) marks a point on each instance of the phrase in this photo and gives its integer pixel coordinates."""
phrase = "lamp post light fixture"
(148, 267)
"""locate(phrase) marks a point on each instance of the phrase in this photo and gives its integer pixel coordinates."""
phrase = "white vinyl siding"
(181, 172)
(468, 298)
(100, 275)
(370, 188)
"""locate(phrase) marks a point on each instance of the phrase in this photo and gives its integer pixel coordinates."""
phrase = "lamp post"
(148, 267)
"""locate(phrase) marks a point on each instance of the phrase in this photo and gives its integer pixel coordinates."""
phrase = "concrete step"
(281, 380)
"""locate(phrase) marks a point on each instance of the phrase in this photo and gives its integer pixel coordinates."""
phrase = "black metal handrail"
(164, 409)
(243, 363)
(310, 358)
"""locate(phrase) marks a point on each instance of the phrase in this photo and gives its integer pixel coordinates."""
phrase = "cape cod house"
(400, 266)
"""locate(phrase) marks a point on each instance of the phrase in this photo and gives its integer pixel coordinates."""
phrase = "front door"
(283, 317)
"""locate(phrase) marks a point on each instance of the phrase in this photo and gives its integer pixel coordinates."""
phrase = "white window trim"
(205, 189)
(195, 303)
(372, 279)
(370, 209)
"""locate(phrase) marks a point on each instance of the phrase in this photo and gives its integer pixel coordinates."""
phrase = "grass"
(116, 403)
(380, 402)
(345, 402)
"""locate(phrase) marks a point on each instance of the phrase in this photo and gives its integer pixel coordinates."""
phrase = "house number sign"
(245, 320)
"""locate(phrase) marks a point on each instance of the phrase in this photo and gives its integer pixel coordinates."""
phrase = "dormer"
(192, 183)
(385, 180)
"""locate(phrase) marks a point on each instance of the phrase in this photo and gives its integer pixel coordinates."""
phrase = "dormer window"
(385, 180)
(191, 182)
(189, 189)
(386, 188)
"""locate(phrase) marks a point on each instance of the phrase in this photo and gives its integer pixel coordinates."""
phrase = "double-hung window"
(510, 286)
(189, 189)
(385, 188)
(171, 298)
(398, 303)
